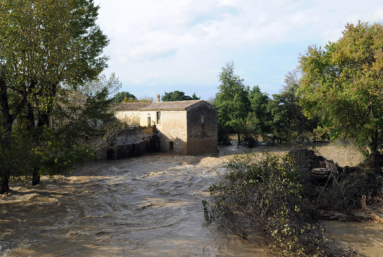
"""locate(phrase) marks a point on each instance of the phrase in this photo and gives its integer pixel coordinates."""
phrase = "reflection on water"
(145, 206)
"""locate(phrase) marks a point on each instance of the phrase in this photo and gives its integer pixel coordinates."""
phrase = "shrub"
(264, 195)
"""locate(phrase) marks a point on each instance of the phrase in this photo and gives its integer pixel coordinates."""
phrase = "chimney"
(158, 98)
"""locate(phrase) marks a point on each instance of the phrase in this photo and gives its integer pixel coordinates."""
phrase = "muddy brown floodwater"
(144, 206)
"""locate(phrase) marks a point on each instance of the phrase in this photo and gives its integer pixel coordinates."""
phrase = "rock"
(320, 171)
(333, 216)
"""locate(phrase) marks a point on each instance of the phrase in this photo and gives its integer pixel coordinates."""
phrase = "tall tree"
(195, 97)
(120, 96)
(232, 100)
(177, 96)
(292, 78)
(343, 83)
(211, 100)
(45, 44)
(287, 119)
(112, 85)
(260, 116)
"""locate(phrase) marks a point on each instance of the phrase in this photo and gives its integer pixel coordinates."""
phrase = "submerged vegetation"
(278, 198)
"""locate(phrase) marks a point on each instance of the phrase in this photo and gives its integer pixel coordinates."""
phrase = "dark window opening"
(170, 145)
(158, 117)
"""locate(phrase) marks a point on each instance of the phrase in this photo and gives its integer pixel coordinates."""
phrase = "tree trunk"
(374, 149)
(4, 181)
(5, 175)
(239, 139)
(36, 177)
(31, 119)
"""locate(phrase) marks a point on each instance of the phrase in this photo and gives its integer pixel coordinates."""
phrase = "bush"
(264, 195)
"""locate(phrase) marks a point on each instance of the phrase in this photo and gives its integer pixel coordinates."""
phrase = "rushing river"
(144, 206)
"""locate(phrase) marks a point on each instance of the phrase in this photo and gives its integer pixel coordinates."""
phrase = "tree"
(291, 78)
(112, 85)
(45, 44)
(343, 83)
(211, 100)
(260, 116)
(232, 100)
(75, 116)
(146, 99)
(195, 97)
(120, 96)
(287, 119)
(177, 96)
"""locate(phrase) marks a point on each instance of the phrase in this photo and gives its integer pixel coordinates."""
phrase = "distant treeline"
(126, 97)
(249, 112)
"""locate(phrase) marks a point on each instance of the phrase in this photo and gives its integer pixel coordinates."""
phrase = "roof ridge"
(169, 105)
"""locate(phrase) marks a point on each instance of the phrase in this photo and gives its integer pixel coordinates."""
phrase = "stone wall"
(173, 130)
(133, 142)
(202, 129)
(130, 117)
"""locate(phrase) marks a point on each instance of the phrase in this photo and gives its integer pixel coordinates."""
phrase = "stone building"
(185, 127)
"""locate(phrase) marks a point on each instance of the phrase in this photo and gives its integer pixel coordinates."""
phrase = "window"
(170, 145)
(158, 117)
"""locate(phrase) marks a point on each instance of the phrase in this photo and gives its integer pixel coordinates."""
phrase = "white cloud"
(186, 42)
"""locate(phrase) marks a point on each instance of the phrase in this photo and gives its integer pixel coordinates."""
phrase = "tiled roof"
(129, 106)
(176, 105)
(173, 105)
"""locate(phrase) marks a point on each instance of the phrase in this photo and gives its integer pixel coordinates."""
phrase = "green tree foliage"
(259, 116)
(343, 84)
(177, 96)
(232, 100)
(195, 97)
(74, 118)
(287, 119)
(45, 44)
(120, 96)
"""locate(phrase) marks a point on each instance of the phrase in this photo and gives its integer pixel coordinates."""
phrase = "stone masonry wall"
(202, 129)
(133, 142)
(173, 129)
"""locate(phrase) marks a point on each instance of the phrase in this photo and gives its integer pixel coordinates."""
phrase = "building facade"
(184, 127)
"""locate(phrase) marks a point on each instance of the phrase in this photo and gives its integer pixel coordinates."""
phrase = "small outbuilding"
(184, 127)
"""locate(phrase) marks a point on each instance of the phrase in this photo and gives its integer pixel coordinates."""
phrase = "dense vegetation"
(49, 72)
(339, 95)
(124, 97)
(178, 96)
(277, 198)
(343, 84)
(251, 113)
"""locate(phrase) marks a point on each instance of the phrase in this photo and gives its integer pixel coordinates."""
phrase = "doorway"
(149, 121)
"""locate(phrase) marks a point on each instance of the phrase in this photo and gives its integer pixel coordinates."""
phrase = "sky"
(159, 46)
